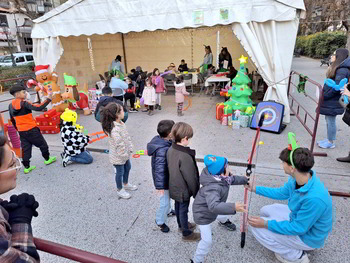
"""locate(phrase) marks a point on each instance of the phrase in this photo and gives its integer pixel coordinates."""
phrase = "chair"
(188, 81)
(169, 81)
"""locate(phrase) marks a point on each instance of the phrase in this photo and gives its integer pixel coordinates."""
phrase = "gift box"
(224, 120)
(244, 120)
(219, 110)
(229, 120)
(50, 113)
(235, 125)
(49, 129)
(228, 110)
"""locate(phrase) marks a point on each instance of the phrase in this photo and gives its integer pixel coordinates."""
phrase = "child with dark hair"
(106, 98)
(158, 82)
(210, 203)
(16, 238)
(120, 147)
(158, 148)
(302, 225)
(74, 140)
(21, 116)
(149, 96)
(183, 66)
(180, 93)
(183, 177)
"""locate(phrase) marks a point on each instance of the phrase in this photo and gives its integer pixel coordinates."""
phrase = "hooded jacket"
(330, 105)
(158, 148)
(74, 142)
(183, 173)
(211, 198)
(21, 113)
(104, 100)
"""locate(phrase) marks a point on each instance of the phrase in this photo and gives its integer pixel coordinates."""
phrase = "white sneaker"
(303, 259)
(130, 187)
(123, 194)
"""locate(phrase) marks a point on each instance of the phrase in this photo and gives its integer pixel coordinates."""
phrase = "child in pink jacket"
(158, 82)
(180, 93)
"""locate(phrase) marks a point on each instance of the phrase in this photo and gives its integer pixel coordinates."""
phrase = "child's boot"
(179, 113)
(51, 160)
(27, 170)
(159, 107)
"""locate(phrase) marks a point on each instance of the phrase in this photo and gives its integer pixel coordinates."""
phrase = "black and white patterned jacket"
(74, 142)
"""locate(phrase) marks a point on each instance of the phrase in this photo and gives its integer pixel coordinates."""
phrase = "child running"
(180, 93)
(158, 148)
(183, 177)
(149, 96)
(21, 116)
(210, 202)
(120, 147)
(73, 140)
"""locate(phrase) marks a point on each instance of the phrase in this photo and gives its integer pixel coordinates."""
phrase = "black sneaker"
(133, 110)
(164, 228)
(229, 225)
(172, 213)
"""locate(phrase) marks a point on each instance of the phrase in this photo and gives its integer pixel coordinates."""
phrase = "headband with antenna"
(292, 146)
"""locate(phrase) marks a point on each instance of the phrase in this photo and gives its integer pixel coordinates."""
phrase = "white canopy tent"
(266, 29)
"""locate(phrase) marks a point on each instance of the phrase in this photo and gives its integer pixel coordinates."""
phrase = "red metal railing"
(72, 253)
(295, 107)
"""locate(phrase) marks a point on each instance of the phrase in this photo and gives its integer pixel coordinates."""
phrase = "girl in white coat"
(149, 96)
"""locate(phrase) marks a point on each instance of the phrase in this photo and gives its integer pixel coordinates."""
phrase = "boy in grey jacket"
(210, 202)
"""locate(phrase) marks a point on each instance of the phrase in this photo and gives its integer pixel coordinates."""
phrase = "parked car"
(20, 59)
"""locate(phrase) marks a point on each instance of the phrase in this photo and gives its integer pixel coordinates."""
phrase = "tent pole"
(123, 43)
(217, 48)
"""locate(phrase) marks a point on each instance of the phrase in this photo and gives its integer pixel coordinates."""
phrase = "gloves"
(21, 208)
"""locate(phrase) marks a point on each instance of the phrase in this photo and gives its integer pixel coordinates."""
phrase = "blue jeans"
(163, 210)
(331, 127)
(181, 210)
(84, 158)
(122, 173)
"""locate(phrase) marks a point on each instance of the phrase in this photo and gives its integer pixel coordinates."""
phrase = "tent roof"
(88, 17)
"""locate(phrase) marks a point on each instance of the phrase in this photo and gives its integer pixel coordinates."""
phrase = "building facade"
(15, 28)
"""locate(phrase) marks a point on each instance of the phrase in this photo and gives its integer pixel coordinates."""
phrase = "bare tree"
(22, 8)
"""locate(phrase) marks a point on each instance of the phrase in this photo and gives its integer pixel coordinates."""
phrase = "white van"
(20, 59)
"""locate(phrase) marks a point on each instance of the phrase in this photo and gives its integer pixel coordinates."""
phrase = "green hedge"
(320, 45)
(13, 72)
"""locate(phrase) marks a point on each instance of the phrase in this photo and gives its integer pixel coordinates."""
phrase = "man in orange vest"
(21, 116)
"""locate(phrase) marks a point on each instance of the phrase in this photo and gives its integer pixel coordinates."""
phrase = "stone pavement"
(79, 206)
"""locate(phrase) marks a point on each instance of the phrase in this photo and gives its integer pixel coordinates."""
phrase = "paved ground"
(79, 206)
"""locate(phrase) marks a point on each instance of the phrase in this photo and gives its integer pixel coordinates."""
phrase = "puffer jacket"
(330, 105)
(158, 148)
(120, 145)
(211, 198)
(183, 173)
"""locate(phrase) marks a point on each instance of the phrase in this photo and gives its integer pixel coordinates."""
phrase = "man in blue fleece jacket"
(303, 224)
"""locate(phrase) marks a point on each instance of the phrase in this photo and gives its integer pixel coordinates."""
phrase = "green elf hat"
(292, 146)
(69, 81)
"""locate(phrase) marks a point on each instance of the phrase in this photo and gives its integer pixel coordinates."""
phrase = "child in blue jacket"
(158, 148)
(303, 224)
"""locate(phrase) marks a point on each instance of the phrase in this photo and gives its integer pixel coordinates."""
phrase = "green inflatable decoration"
(240, 92)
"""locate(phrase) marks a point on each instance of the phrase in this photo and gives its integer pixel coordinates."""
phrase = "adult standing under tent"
(265, 30)
(225, 60)
(117, 65)
(208, 59)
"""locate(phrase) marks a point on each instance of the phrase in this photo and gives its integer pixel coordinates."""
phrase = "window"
(3, 19)
(20, 59)
(28, 41)
(29, 49)
(29, 58)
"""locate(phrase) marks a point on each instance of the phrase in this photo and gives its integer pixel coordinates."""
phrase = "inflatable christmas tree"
(240, 92)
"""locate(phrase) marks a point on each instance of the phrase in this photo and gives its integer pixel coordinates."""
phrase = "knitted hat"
(16, 88)
(69, 81)
(40, 69)
(215, 164)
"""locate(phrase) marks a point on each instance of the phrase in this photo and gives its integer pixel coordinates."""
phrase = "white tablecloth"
(214, 79)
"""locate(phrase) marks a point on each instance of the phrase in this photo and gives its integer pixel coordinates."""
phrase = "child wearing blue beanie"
(210, 203)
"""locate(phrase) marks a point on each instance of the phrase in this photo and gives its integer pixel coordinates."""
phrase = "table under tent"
(82, 37)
